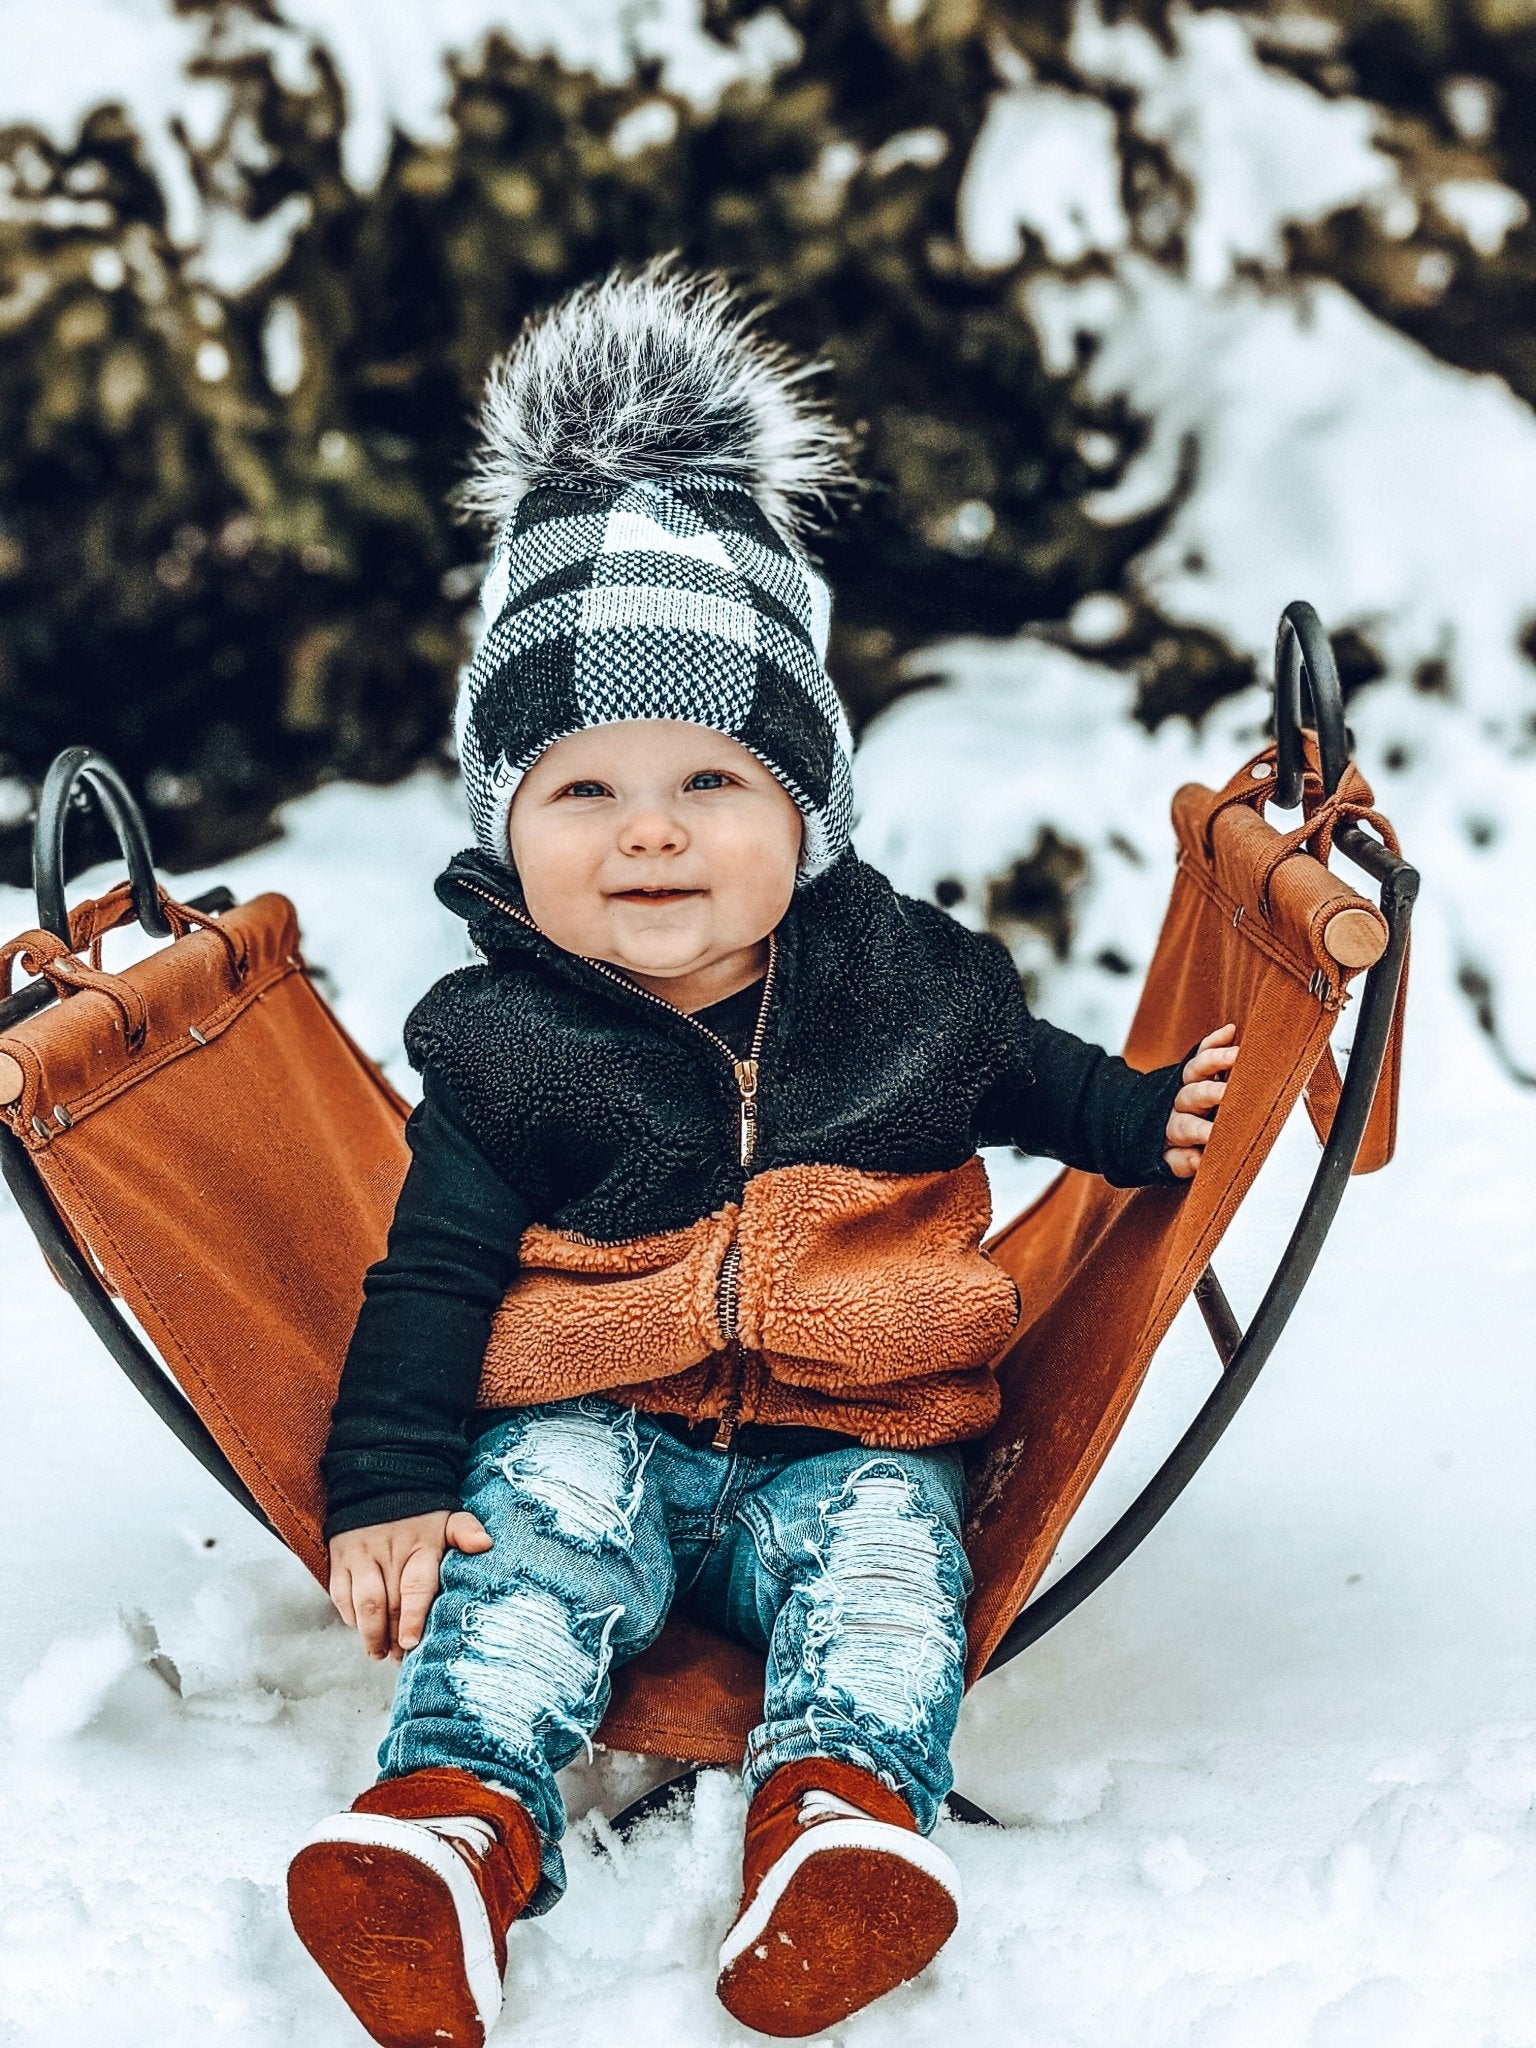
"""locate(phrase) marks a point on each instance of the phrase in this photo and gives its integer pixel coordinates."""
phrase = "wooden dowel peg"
(12, 1079)
(1354, 938)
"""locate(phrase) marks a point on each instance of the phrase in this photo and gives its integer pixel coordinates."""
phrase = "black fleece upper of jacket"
(895, 1041)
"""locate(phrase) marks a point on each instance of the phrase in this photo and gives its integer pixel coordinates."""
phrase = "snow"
(1045, 159)
(1486, 212)
(392, 55)
(1340, 463)
(1472, 105)
(1333, 458)
(924, 146)
(282, 346)
(1259, 148)
(63, 60)
(233, 253)
(1337, 460)
(958, 782)
(649, 126)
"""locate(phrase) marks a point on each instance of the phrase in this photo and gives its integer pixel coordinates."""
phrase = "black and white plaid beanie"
(648, 465)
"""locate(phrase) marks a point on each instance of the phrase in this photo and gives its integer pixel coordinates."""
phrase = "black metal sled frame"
(1302, 654)
(1302, 650)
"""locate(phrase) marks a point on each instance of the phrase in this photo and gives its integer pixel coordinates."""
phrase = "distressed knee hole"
(527, 1664)
(881, 1623)
(586, 1473)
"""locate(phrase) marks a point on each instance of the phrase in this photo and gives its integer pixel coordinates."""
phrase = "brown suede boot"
(405, 1902)
(842, 1900)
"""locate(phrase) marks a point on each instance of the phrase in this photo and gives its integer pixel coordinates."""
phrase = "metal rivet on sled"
(193, 1032)
(1237, 916)
(61, 1116)
(41, 1128)
(1261, 771)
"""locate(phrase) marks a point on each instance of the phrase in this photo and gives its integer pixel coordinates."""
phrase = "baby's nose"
(653, 831)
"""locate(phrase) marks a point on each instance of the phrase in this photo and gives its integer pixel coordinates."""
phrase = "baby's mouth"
(655, 895)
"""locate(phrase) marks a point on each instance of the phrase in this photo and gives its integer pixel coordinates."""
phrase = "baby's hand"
(1189, 1125)
(384, 1577)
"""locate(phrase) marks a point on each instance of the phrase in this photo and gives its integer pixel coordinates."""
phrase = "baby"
(684, 1298)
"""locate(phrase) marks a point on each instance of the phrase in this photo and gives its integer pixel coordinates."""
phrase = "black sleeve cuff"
(388, 1507)
(1143, 1134)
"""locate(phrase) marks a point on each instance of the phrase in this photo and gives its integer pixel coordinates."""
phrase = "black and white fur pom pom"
(655, 376)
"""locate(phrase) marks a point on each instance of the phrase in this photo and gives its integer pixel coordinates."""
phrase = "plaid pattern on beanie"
(671, 597)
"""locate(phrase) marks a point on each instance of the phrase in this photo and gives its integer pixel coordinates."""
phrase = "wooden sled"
(197, 1138)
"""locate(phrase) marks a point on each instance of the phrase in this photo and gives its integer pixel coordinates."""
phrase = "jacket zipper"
(745, 1072)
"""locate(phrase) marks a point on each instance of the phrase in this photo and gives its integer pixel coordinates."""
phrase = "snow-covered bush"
(1149, 320)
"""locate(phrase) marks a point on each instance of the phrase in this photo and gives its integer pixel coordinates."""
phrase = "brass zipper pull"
(744, 1070)
(721, 1440)
(746, 1081)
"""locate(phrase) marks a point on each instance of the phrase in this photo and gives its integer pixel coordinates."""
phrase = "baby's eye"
(709, 778)
(588, 788)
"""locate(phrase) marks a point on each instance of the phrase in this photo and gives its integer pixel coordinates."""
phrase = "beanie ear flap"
(489, 786)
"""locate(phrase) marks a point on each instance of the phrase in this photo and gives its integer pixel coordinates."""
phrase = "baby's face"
(657, 846)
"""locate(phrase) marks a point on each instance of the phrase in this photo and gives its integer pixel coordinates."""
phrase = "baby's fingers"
(1200, 1096)
(341, 1594)
(467, 1532)
(418, 1589)
(1187, 1130)
(1218, 1059)
(1183, 1160)
(370, 1604)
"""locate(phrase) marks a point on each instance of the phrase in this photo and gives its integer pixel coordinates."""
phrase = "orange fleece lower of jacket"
(827, 1297)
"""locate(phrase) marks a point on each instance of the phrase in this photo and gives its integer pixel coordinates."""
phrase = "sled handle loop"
(1302, 648)
(82, 768)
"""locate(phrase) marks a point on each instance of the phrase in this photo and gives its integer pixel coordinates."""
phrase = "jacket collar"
(505, 933)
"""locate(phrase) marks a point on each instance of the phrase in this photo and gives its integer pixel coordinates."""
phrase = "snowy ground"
(1273, 1785)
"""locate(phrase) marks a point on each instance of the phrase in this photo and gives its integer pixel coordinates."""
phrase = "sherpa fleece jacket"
(604, 1198)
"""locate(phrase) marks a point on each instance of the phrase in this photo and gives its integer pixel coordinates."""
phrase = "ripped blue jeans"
(846, 1567)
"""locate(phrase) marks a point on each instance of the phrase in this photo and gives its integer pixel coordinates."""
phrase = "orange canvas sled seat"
(198, 1139)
